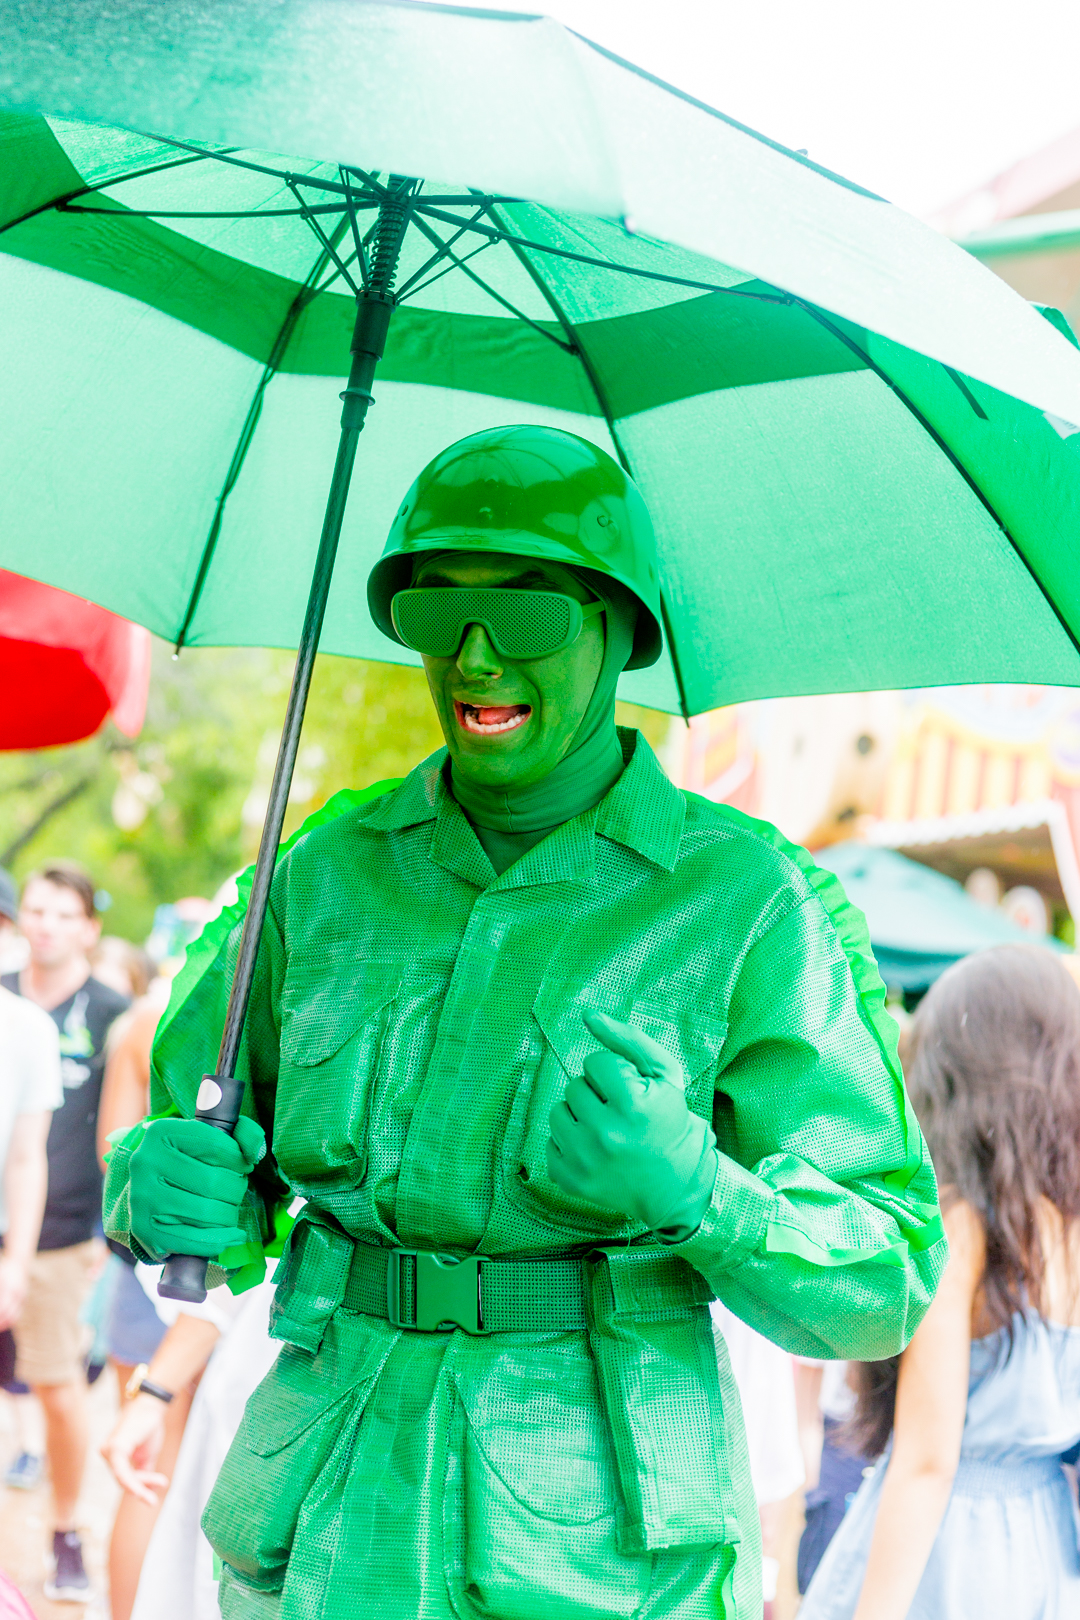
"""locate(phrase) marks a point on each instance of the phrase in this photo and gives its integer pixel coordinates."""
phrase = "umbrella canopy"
(857, 445)
(836, 417)
(64, 664)
(920, 922)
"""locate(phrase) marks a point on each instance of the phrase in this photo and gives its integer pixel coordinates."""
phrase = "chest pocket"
(695, 1039)
(334, 1019)
(324, 1004)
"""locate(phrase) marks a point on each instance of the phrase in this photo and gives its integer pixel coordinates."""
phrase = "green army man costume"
(611, 1048)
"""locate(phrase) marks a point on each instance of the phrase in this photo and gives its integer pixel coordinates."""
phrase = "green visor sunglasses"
(432, 619)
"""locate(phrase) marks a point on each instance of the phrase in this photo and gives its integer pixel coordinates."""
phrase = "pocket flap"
(323, 1004)
(300, 1389)
(694, 1038)
(294, 1399)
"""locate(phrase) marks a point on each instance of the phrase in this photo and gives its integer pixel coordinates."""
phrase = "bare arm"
(125, 1090)
(931, 1401)
(26, 1177)
(808, 1382)
(132, 1448)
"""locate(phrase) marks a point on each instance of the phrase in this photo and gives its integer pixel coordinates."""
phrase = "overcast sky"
(920, 101)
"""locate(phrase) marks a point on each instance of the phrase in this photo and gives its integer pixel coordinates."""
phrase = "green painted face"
(510, 723)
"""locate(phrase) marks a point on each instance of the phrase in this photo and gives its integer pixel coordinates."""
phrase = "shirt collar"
(643, 811)
(424, 796)
(418, 799)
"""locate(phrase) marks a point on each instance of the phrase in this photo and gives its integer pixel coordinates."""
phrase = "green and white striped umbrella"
(855, 441)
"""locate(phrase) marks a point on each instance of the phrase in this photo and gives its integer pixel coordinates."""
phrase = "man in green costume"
(555, 1052)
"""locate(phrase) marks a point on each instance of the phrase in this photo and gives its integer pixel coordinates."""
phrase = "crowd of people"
(77, 1021)
(63, 1014)
(937, 1483)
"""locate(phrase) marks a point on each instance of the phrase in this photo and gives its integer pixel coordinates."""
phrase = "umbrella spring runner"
(221, 1093)
(375, 303)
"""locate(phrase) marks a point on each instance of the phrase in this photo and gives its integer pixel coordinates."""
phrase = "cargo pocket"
(695, 1039)
(334, 1018)
(670, 1419)
(531, 1501)
(303, 1413)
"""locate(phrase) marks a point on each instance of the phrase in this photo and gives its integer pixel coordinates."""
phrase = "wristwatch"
(139, 1384)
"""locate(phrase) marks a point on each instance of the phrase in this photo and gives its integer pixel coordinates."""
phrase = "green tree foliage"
(178, 809)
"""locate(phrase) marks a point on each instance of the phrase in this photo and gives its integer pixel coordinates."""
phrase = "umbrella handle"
(217, 1104)
(184, 1278)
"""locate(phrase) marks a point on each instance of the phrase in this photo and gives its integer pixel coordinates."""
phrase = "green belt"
(648, 1332)
(427, 1292)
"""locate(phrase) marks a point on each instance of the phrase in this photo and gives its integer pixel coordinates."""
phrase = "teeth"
(515, 716)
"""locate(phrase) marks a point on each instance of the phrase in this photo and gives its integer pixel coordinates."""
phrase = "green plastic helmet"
(532, 492)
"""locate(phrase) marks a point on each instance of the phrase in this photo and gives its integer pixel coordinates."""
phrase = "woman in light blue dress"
(969, 1513)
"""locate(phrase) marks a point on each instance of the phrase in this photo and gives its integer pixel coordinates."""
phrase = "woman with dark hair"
(969, 1511)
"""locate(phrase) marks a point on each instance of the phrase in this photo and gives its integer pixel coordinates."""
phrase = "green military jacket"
(413, 1022)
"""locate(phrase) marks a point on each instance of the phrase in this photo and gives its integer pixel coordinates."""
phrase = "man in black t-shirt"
(59, 919)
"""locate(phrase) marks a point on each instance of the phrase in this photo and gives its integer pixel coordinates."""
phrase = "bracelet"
(139, 1384)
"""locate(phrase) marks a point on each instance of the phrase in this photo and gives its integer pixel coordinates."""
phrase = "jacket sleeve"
(185, 1049)
(823, 1231)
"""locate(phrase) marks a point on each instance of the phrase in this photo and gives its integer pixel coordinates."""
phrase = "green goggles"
(433, 619)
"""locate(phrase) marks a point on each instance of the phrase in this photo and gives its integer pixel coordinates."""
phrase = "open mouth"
(491, 721)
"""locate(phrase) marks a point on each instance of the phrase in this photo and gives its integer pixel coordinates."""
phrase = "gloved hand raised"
(623, 1137)
(187, 1181)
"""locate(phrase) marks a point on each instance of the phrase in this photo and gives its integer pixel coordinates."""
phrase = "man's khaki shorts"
(50, 1341)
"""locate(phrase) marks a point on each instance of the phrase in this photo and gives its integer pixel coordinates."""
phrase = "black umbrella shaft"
(374, 307)
(286, 759)
(221, 1094)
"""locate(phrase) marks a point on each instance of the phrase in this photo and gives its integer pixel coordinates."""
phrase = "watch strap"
(139, 1384)
(147, 1388)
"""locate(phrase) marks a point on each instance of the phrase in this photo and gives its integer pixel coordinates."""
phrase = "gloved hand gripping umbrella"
(855, 443)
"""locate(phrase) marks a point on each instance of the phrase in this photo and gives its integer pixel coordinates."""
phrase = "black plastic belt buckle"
(447, 1291)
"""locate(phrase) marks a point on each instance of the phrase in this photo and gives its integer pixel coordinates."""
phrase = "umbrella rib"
(733, 123)
(605, 264)
(227, 156)
(456, 264)
(303, 211)
(358, 241)
(329, 248)
(303, 297)
(423, 205)
(968, 395)
(945, 449)
(467, 199)
(435, 258)
(605, 410)
(432, 236)
(61, 203)
(329, 282)
(669, 632)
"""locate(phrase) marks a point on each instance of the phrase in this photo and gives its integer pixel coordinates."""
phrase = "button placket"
(440, 1150)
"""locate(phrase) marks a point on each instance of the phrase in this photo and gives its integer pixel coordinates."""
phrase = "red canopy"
(64, 664)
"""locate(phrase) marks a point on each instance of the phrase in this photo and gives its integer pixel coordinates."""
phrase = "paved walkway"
(25, 1526)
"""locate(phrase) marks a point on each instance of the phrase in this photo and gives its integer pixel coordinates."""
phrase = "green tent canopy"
(920, 921)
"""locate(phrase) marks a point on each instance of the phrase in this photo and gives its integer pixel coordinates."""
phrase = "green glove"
(187, 1181)
(623, 1137)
